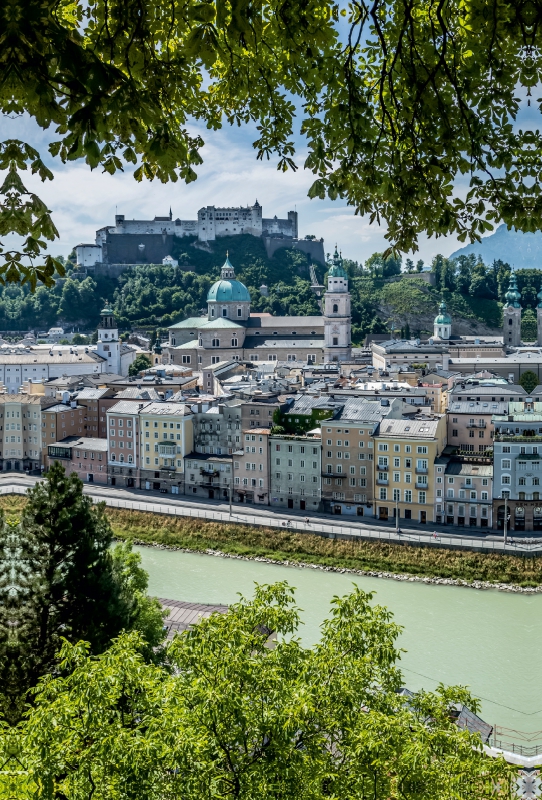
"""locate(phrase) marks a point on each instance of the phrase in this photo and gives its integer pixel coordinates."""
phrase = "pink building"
(123, 442)
(85, 456)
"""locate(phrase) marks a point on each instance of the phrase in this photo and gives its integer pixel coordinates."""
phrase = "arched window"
(335, 308)
(121, 457)
(113, 457)
(216, 343)
(509, 321)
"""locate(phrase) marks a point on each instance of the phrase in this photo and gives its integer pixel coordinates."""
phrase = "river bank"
(379, 559)
(401, 562)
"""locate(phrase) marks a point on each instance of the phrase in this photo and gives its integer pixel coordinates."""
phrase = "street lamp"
(505, 517)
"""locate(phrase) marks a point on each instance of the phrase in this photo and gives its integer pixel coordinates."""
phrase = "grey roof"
(127, 407)
(360, 409)
(471, 469)
(305, 403)
(499, 389)
(409, 428)
(62, 407)
(283, 322)
(88, 443)
(474, 407)
(400, 346)
(263, 343)
(167, 409)
(91, 394)
(136, 393)
(183, 615)
(191, 322)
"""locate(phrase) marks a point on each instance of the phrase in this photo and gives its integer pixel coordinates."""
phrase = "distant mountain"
(520, 250)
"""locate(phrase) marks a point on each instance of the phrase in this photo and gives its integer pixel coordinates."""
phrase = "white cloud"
(83, 200)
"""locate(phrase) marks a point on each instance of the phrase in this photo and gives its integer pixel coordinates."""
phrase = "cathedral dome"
(228, 289)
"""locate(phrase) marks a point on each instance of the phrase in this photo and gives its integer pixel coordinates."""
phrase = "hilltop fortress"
(136, 241)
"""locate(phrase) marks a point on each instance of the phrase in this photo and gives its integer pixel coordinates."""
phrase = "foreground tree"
(62, 580)
(413, 98)
(238, 718)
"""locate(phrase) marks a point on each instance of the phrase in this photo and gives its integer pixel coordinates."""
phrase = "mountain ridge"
(520, 250)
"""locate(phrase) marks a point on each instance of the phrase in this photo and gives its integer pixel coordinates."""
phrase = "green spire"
(443, 318)
(539, 296)
(337, 270)
(512, 296)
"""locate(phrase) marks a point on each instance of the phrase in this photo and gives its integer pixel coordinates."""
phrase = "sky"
(81, 200)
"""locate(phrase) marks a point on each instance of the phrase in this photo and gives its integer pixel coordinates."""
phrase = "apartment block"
(517, 470)
(464, 491)
(470, 425)
(296, 471)
(405, 451)
(21, 432)
(59, 421)
(348, 454)
(123, 443)
(166, 438)
(209, 476)
(86, 456)
(251, 467)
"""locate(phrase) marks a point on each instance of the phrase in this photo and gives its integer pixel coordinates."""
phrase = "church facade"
(230, 332)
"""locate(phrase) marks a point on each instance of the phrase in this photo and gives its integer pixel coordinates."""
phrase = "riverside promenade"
(322, 525)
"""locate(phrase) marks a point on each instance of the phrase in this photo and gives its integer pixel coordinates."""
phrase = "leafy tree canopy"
(235, 718)
(410, 98)
(140, 363)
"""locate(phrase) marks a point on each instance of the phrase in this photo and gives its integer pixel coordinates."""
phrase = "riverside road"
(323, 525)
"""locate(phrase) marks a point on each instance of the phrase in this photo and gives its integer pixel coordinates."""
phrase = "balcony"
(210, 473)
(382, 482)
(422, 470)
(382, 467)
(167, 448)
(477, 425)
(419, 485)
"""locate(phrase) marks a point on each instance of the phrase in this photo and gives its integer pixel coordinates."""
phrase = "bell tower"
(108, 346)
(337, 314)
(512, 315)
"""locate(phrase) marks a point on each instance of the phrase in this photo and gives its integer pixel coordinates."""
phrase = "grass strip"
(284, 545)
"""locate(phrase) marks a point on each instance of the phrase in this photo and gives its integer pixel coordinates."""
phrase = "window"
(396, 477)
(396, 448)
(421, 497)
(408, 496)
(383, 494)
(505, 464)
(396, 462)
(383, 448)
(335, 308)
(454, 432)
(505, 480)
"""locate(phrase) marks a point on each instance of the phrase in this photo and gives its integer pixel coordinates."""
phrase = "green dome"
(106, 312)
(539, 296)
(443, 318)
(337, 270)
(228, 289)
(512, 296)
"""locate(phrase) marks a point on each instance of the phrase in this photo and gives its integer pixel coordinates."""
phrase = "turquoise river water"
(489, 641)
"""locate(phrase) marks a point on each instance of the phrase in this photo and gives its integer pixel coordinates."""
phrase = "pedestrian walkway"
(314, 524)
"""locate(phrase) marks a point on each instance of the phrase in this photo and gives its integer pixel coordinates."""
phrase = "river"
(489, 641)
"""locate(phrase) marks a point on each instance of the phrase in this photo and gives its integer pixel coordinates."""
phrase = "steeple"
(337, 313)
(512, 296)
(443, 323)
(512, 315)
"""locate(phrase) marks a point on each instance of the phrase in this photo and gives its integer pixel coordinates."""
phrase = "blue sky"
(82, 200)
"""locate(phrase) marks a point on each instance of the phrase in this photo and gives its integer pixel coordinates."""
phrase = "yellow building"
(404, 475)
(166, 438)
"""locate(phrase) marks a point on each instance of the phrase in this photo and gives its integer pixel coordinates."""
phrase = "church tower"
(512, 315)
(337, 314)
(443, 323)
(108, 341)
